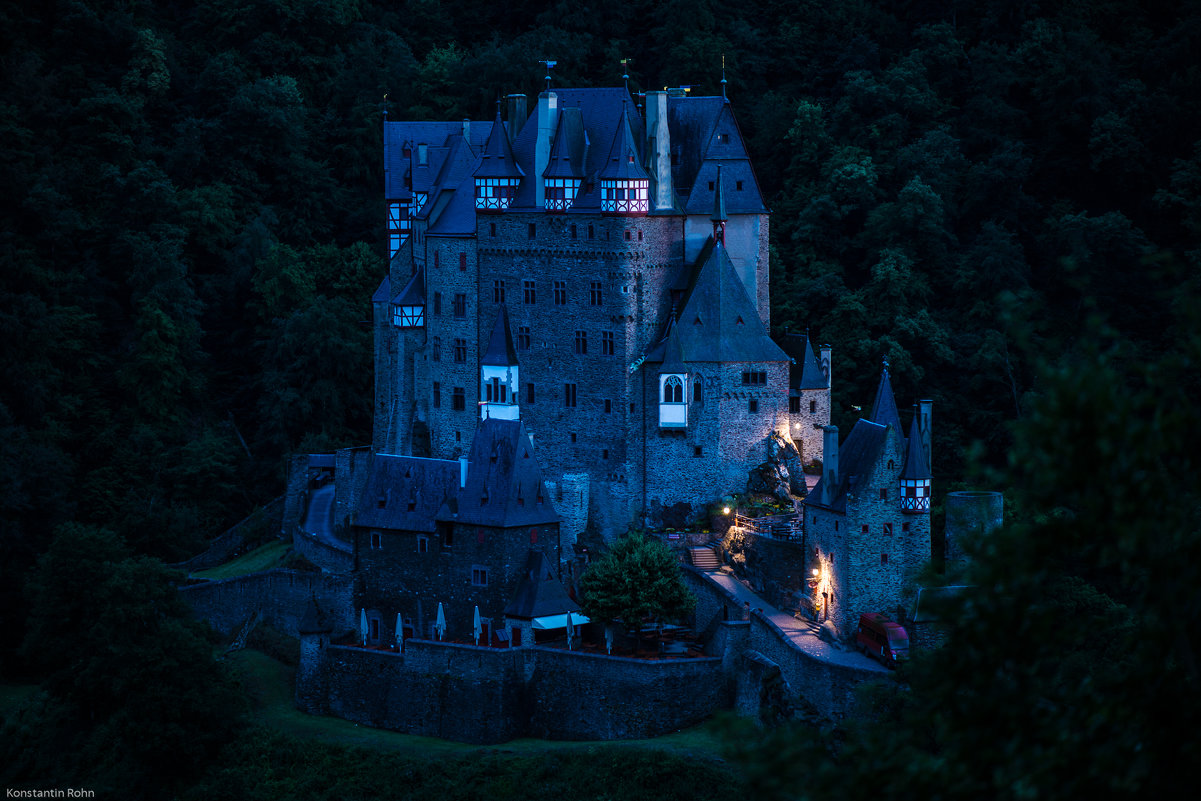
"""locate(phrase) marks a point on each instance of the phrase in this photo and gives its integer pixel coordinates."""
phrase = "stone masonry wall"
(281, 595)
(329, 557)
(489, 695)
(807, 426)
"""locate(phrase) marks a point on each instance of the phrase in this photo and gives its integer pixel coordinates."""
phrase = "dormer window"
(624, 196)
(495, 193)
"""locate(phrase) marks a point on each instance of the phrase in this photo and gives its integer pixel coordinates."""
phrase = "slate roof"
(451, 206)
(719, 200)
(413, 293)
(384, 293)
(915, 454)
(500, 352)
(884, 410)
(718, 322)
(405, 493)
(539, 593)
(673, 352)
(497, 159)
(625, 155)
(856, 457)
(695, 124)
(600, 112)
(435, 136)
(504, 479)
(806, 371)
(570, 147)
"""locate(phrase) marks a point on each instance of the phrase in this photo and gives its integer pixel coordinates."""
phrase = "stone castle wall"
(281, 595)
(489, 695)
(329, 557)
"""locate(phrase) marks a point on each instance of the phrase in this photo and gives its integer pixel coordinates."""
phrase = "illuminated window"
(673, 390)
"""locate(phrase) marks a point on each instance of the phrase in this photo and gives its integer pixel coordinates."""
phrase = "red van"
(882, 639)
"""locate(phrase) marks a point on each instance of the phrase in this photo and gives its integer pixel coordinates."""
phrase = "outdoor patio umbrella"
(400, 634)
(570, 631)
(363, 625)
(440, 622)
(478, 629)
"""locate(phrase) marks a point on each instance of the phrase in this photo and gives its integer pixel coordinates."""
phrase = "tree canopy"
(637, 578)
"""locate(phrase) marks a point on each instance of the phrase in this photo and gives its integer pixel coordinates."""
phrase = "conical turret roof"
(884, 410)
(497, 160)
(915, 455)
(623, 163)
(500, 351)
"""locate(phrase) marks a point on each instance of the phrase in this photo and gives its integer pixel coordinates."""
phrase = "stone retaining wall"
(281, 595)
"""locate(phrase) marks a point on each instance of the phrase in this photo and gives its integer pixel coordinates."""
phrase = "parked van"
(882, 639)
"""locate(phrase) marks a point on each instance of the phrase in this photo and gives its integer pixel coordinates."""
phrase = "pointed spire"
(884, 410)
(501, 351)
(623, 163)
(497, 160)
(915, 457)
(719, 210)
(723, 77)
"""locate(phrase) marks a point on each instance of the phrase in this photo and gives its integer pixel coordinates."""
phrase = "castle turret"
(624, 183)
(829, 464)
(498, 174)
(408, 307)
(915, 477)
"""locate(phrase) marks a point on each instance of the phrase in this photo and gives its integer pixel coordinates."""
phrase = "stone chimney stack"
(924, 410)
(827, 352)
(658, 148)
(829, 463)
(467, 130)
(517, 115)
(548, 120)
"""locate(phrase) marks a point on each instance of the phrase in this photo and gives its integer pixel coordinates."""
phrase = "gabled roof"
(504, 480)
(539, 593)
(696, 125)
(404, 493)
(500, 352)
(719, 200)
(806, 371)
(625, 155)
(569, 148)
(884, 410)
(718, 322)
(413, 293)
(451, 205)
(497, 160)
(856, 457)
(915, 454)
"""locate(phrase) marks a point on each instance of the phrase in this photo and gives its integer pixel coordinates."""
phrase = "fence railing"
(779, 527)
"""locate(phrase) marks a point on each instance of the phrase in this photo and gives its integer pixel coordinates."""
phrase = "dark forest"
(1000, 197)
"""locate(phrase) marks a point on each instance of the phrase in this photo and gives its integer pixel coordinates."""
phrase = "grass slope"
(264, 557)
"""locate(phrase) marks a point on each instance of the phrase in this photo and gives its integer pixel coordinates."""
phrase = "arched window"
(673, 390)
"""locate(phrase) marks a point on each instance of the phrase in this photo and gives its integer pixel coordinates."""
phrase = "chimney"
(517, 115)
(923, 423)
(658, 148)
(467, 130)
(829, 463)
(548, 119)
(462, 472)
(826, 352)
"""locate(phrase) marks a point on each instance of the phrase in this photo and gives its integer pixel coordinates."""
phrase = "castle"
(599, 271)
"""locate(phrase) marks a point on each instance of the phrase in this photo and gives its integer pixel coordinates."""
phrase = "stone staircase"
(704, 557)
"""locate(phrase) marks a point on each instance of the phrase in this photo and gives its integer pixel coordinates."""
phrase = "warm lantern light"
(725, 510)
(816, 572)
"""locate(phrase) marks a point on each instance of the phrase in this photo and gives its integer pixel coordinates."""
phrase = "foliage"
(637, 578)
(133, 697)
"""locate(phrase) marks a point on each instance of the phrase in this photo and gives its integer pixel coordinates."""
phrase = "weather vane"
(723, 76)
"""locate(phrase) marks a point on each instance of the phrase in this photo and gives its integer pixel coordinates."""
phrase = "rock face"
(780, 476)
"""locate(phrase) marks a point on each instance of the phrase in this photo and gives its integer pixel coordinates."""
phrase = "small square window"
(608, 405)
(629, 235)
(376, 540)
(698, 451)
(423, 545)
(573, 437)
(883, 493)
(738, 186)
(865, 527)
(605, 453)
(888, 529)
(532, 231)
(479, 576)
(752, 406)
(883, 558)
(812, 407)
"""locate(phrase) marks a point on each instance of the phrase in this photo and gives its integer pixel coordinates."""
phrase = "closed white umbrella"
(363, 625)
(440, 622)
(400, 633)
(478, 628)
(570, 631)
